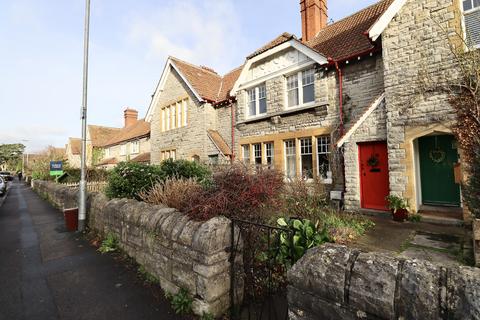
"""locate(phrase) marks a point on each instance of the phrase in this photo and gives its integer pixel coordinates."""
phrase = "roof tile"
(140, 129)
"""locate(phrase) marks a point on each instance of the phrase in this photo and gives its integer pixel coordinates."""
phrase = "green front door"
(438, 154)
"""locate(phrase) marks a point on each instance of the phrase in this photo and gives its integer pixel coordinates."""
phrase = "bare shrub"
(304, 199)
(174, 193)
(240, 193)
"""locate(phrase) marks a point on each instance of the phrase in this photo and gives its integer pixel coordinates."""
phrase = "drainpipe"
(340, 107)
(232, 106)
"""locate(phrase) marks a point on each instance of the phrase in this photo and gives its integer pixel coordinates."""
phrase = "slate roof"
(75, 145)
(99, 135)
(140, 129)
(347, 37)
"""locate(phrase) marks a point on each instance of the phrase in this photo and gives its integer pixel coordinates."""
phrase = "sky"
(41, 55)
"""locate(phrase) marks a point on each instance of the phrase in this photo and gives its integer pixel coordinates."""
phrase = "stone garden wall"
(337, 282)
(180, 252)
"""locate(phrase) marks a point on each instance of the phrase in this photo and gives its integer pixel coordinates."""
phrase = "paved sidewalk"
(47, 273)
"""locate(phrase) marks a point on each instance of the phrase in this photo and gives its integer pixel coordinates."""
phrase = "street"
(48, 273)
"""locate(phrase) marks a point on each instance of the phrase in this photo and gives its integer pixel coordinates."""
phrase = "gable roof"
(348, 37)
(219, 142)
(75, 145)
(140, 129)
(99, 135)
(205, 83)
(284, 37)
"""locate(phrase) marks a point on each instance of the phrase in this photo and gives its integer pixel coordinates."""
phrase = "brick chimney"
(130, 116)
(314, 17)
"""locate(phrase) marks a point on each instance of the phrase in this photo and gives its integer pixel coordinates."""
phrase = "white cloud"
(207, 33)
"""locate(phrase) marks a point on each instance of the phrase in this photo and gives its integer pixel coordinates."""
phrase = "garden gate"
(261, 271)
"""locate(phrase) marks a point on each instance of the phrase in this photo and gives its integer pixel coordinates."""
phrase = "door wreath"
(373, 160)
(437, 155)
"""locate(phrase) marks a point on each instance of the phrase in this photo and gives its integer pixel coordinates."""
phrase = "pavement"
(447, 245)
(48, 273)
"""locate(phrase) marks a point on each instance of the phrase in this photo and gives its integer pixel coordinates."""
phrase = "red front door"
(373, 158)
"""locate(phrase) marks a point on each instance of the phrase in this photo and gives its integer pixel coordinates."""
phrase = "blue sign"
(56, 168)
(56, 165)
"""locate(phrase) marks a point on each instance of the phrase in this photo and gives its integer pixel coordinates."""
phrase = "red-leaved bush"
(238, 192)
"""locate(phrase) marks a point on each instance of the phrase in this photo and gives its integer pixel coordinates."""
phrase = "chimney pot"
(130, 116)
(314, 17)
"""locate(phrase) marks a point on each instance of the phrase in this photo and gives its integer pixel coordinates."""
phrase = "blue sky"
(42, 43)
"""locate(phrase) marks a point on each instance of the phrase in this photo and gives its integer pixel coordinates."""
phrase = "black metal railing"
(258, 287)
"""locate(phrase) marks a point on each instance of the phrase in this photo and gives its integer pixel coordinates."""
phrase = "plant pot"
(71, 219)
(476, 241)
(400, 215)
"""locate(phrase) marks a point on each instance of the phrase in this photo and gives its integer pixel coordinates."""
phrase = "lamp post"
(82, 207)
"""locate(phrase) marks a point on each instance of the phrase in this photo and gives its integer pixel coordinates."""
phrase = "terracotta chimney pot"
(130, 116)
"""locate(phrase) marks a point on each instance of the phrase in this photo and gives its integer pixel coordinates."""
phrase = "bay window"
(174, 116)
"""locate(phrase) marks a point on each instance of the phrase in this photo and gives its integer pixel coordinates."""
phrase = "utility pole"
(82, 207)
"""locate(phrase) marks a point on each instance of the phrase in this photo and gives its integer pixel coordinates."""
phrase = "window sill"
(281, 113)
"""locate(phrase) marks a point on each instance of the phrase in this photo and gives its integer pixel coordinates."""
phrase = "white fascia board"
(381, 24)
(364, 117)
(309, 52)
(163, 79)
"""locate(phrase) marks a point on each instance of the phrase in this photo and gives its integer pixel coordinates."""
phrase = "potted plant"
(398, 206)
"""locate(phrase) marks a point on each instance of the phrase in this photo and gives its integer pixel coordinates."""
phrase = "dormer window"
(304, 80)
(257, 100)
(471, 13)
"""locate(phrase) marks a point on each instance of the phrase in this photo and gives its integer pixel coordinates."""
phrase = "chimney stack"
(130, 116)
(314, 17)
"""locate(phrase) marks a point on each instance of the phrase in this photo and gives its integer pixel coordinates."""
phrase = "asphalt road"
(48, 273)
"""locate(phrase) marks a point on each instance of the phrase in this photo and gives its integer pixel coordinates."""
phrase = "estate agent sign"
(56, 168)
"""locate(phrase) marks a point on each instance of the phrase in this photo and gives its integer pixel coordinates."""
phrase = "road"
(48, 273)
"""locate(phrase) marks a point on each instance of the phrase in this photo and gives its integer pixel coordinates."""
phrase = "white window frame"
(107, 152)
(272, 155)
(286, 156)
(257, 155)
(135, 147)
(301, 153)
(244, 148)
(256, 92)
(464, 24)
(123, 150)
(299, 75)
(320, 142)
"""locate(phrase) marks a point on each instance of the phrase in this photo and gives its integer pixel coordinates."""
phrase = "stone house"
(97, 137)
(130, 143)
(342, 103)
(73, 150)
(191, 114)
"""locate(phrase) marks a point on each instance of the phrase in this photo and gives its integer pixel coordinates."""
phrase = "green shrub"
(128, 179)
(185, 169)
(472, 187)
(303, 234)
(73, 175)
(181, 302)
(109, 244)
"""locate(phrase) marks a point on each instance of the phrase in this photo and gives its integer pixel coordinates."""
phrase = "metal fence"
(261, 271)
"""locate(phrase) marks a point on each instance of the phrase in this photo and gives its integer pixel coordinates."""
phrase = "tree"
(11, 154)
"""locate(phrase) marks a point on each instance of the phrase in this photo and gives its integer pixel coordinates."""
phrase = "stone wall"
(337, 282)
(180, 252)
